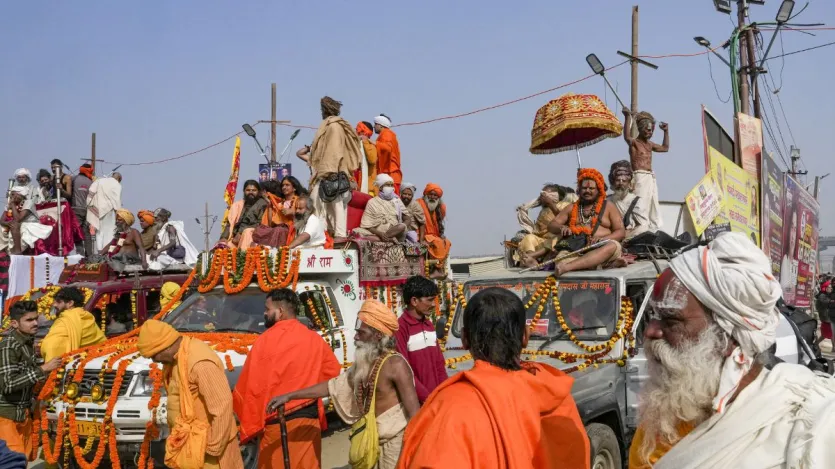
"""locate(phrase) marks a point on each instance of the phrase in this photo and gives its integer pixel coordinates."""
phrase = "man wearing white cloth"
(20, 227)
(172, 245)
(103, 199)
(709, 403)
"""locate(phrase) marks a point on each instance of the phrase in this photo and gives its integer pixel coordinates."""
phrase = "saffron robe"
(498, 419)
(388, 157)
(75, 328)
(212, 399)
(286, 357)
(438, 245)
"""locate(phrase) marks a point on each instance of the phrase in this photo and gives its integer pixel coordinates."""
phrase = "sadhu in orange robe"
(492, 418)
(287, 357)
(388, 157)
(274, 213)
(438, 245)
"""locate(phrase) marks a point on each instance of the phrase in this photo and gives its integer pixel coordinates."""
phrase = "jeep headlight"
(145, 386)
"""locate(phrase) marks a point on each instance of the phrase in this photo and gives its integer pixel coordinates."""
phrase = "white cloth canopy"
(20, 279)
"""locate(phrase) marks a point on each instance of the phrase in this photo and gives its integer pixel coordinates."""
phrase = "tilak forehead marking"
(669, 292)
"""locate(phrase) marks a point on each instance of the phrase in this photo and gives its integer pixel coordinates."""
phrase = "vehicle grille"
(91, 377)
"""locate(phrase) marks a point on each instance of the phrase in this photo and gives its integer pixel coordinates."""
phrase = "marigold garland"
(594, 175)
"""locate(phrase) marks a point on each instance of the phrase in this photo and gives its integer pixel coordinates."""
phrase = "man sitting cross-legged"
(383, 216)
(588, 221)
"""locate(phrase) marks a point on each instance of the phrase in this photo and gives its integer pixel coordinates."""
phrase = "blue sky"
(157, 79)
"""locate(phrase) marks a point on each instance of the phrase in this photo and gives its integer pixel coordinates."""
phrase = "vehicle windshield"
(589, 306)
(217, 311)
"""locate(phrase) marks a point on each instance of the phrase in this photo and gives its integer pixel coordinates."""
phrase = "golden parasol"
(571, 122)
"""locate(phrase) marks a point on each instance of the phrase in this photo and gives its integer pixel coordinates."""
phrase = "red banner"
(800, 245)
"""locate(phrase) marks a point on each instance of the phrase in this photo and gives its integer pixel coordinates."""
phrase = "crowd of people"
(710, 401)
(348, 173)
(105, 228)
(585, 229)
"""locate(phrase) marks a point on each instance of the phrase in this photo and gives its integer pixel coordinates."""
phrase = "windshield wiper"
(562, 333)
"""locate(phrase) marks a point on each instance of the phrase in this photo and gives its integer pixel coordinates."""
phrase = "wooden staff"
(285, 445)
(566, 256)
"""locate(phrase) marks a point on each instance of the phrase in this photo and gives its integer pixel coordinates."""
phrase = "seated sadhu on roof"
(282, 198)
(432, 234)
(589, 221)
(383, 215)
(244, 216)
(539, 243)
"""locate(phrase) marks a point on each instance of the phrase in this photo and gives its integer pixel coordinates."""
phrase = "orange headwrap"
(378, 316)
(364, 131)
(594, 175)
(86, 170)
(154, 337)
(146, 216)
(433, 188)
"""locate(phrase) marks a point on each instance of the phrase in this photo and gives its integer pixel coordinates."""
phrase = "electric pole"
(633, 105)
(272, 127)
(795, 156)
(744, 90)
(93, 151)
(206, 226)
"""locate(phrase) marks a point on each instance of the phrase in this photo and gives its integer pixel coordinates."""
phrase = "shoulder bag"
(365, 440)
(575, 242)
(332, 185)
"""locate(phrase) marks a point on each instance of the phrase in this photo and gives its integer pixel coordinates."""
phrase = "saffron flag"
(232, 185)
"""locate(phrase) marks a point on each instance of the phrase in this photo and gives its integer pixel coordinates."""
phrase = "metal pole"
(634, 104)
(272, 127)
(93, 151)
(58, 207)
(817, 186)
(206, 227)
(744, 90)
(754, 73)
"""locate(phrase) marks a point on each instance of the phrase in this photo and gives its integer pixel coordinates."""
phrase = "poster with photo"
(798, 266)
(740, 198)
(274, 172)
(750, 143)
(704, 203)
(772, 185)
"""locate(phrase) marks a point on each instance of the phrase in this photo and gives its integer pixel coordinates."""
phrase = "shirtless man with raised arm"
(591, 216)
(640, 155)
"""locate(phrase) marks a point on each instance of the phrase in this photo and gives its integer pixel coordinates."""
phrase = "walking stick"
(285, 445)
(565, 256)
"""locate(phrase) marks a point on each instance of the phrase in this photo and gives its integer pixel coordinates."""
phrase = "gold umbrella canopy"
(570, 122)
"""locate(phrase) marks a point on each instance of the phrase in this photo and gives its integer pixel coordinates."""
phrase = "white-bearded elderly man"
(709, 402)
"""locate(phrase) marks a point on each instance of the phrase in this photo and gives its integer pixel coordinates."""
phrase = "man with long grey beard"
(379, 385)
(624, 198)
(709, 403)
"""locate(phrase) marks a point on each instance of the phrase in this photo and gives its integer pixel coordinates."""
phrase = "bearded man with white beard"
(621, 179)
(379, 384)
(709, 402)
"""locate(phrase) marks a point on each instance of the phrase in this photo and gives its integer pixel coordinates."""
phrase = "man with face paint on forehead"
(640, 156)
(709, 402)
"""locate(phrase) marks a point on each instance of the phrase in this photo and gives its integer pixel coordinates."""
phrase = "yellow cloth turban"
(167, 293)
(154, 337)
(378, 316)
(126, 216)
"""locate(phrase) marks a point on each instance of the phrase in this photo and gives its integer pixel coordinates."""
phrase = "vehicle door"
(321, 313)
(636, 367)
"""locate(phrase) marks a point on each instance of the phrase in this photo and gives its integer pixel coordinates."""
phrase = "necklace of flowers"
(572, 223)
(116, 244)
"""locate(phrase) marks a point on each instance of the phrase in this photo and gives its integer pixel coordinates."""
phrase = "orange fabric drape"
(18, 436)
(438, 246)
(388, 157)
(287, 357)
(498, 419)
(636, 461)
(304, 438)
(274, 214)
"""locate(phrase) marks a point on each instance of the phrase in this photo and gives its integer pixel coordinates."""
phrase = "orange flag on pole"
(232, 185)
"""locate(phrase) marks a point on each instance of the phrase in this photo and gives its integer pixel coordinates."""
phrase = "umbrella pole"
(579, 162)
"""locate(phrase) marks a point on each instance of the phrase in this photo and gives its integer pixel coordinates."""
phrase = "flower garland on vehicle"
(345, 363)
(594, 175)
(237, 267)
(461, 300)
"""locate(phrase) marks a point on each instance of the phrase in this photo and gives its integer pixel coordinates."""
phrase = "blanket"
(383, 264)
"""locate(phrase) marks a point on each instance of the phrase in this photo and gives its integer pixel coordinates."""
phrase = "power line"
(715, 87)
(801, 50)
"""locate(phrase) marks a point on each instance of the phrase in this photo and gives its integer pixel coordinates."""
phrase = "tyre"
(605, 450)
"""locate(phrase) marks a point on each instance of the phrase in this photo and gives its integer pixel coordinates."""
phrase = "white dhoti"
(105, 231)
(334, 213)
(646, 188)
(30, 233)
(391, 424)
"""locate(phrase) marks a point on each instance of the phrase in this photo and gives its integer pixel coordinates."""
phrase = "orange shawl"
(274, 214)
(498, 419)
(388, 157)
(438, 246)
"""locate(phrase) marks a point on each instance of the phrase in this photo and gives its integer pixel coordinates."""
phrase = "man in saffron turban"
(591, 221)
(198, 396)
(432, 234)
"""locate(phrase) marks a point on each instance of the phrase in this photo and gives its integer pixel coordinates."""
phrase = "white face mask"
(387, 193)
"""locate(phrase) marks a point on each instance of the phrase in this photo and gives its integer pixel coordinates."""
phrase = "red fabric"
(356, 207)
(427, 363)
(70, 231)
(826, 330)
(287, 357)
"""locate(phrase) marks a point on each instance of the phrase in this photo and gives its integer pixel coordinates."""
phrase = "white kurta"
(784, 419)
